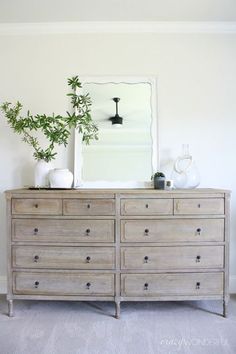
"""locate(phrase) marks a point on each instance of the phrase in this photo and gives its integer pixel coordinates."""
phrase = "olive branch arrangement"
(56, 128)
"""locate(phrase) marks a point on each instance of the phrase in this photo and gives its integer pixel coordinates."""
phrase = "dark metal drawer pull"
(88, 285)
(88, 206)
(146, 206)
(198, 285)
(88, 259)
(199, 205)
(36, 284)
(146, 231)
(146, 286)
(36, 258)
(36, 206)
(198, 258)
(36, 230)
(145, 259)
(199, 230)
(87, 231)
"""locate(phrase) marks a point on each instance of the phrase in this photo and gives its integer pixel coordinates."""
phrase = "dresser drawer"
(192, 230)
(181, 257)
(37, 206)
(183, 284)
(146, 206)
(63, 257)
(88, 207)
(199, 206)
(46, 283)
(56, 230)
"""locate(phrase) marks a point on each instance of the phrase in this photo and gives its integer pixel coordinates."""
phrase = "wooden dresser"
(118, 245)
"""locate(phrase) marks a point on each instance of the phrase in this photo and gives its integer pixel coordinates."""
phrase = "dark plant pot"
(159, 182)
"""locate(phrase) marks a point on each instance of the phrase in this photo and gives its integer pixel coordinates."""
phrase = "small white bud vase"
(41, 173)
(60, 178)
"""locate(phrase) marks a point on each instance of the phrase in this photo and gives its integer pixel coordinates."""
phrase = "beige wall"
(196, 98)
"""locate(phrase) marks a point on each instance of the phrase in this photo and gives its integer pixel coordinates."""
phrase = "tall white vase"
(41, 173)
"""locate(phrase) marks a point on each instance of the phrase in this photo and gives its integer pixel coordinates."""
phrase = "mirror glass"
(124, 154)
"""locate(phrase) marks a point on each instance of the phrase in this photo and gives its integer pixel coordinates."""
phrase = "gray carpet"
(144, 328)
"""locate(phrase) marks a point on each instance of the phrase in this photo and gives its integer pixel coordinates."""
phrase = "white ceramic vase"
(60, 178)
(41, 172)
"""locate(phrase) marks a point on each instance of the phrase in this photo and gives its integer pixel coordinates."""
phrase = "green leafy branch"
(56, 128)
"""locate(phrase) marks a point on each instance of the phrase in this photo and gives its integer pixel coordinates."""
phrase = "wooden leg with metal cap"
(117, 314)
(10, 308)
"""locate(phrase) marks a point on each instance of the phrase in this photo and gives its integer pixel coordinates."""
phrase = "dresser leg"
(10, 308)
(117, 315)
(225, 308)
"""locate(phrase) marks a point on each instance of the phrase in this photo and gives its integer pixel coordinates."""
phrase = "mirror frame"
(78, 156)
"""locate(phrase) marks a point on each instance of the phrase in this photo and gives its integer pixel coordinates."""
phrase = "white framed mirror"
(127, 154)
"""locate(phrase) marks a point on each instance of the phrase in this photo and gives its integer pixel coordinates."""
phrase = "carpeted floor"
(144, 328)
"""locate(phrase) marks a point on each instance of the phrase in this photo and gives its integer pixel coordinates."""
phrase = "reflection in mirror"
(126, 153)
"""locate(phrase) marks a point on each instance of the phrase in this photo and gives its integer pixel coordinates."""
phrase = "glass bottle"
(185, 173)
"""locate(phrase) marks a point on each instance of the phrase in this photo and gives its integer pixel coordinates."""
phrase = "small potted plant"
(159, 180)
(55, 128)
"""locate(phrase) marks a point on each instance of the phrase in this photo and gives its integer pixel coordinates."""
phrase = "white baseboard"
(232, 284)
(3, 284)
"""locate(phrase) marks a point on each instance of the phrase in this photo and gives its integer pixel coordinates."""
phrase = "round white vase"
(41, 173)
(60, 178)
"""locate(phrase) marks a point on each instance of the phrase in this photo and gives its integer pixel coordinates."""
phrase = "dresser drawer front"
(214, 206)
(187, 230)
(146, 206)
(55, 230)
(37, 206)
(63, 257)
(63, 283)
(89, 207)
(184, 284)
(181, 257)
